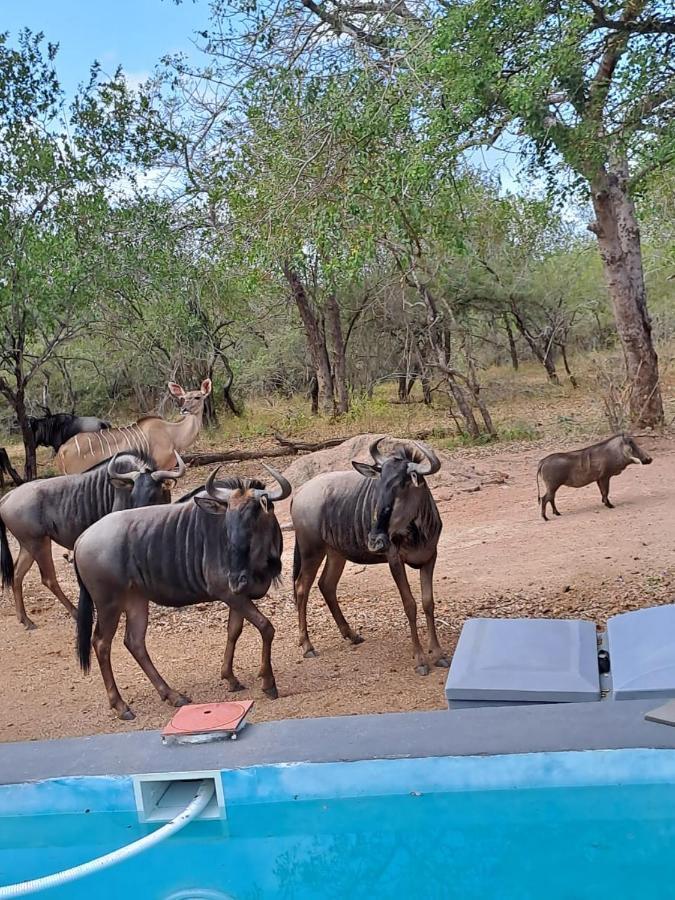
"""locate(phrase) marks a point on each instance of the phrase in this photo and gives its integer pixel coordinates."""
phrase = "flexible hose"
(193, 809)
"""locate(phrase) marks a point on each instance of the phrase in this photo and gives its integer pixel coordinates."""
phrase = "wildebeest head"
(398, 475)
(134, 473)
(191, 402)
(633, 453)
(247, 506)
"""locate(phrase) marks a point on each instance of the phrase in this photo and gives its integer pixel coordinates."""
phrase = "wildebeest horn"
(122, 476)
(216, 493)
(161, 474)
(284, 489)
(375, 453)
(434, 462)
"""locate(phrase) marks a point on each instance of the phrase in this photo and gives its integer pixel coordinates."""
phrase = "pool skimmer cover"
(199, 723)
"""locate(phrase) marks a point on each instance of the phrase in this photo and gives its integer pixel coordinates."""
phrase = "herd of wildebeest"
(221, 541)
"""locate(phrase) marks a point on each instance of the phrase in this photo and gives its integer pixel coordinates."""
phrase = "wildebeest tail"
(6, 561)
(85, 624)
(297, 565)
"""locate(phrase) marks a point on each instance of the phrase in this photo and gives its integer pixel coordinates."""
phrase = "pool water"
(576, 841)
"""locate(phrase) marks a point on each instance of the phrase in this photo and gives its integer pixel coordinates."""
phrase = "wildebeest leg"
(107, 618)
(398, 571)
(23, 563)
(303, 585)
(134, 640)
(43, 557)
(252, 614)
(427, 586)
(328, 582)
(603, 484)
(235, 623)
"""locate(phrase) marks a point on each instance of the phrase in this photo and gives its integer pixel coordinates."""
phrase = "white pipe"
(193, 809)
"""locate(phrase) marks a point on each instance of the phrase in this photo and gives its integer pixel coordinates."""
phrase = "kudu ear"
(175, 389)
(366, 469)
(206, 387)
(211, 506)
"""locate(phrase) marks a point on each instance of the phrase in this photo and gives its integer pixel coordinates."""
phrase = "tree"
(55, 164)
(587, 87)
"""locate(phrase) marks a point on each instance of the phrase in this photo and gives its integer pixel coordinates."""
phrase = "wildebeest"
(223, 543)
(387, 516)
(53, 430)
(153, 433)
(60, 509)
(577, 468)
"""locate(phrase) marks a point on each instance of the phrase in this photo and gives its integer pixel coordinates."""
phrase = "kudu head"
(248, 508)
(633, 453)
(138, 481)
(191, 402)
(398, 476)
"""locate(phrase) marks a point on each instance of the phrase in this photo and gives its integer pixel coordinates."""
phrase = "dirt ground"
(496, 558)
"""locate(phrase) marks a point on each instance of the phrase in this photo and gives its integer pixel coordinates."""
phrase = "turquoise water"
(612, 841)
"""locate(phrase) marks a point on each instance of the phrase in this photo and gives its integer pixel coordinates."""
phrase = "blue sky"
(132, 33)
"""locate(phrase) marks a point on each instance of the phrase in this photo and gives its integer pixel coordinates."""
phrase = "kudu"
(222, 543)
(152, 433)
(387, 516)
(577, 468)
(60, 509)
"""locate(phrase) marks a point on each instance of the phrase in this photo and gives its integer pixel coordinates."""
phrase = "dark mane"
(142, 455)
(234, 482)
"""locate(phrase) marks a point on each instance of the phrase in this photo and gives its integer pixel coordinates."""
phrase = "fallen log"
(287, 448)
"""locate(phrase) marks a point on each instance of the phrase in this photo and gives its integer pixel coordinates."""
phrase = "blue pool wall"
(367, 778)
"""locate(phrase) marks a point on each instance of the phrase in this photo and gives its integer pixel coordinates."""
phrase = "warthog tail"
(6, 561)
(85, 624)
(538, 490)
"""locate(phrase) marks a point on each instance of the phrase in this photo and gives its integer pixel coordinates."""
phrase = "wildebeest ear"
(366, 469)
(206, 387)
(211, 506)
(175, 389)
(416, 478)
(265, 502)
(122, 484)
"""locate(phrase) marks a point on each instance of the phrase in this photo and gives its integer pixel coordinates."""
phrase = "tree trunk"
(30, 466)
(543, 354)
(513, 350)
(316, 342)
(339, 356)
(618, 233)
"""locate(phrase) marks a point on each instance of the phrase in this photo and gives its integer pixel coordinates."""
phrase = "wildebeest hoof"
(179, 700)
(310, 654)
(422, 670)
(235, 685)
(271, 692)
(356, 639)
(126, 715)
(29, 625)
(442, 662)
(556, 513)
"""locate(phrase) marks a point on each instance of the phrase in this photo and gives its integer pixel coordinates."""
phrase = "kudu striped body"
(151, 434)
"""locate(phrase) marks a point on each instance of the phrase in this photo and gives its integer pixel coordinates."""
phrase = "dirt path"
(496, 558)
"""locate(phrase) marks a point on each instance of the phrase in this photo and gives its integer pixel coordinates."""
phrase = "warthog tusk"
(634, 459)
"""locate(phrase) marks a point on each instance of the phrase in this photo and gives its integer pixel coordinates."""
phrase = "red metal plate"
(205, 718)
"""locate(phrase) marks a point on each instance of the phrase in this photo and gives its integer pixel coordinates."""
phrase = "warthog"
(223, 543)
(379, 513)
(577, 468)
(60, 509)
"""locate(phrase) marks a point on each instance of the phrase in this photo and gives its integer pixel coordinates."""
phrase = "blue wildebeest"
(222, 543)
(577, 468)
(379, 513)
(60, 509)
(55, 429)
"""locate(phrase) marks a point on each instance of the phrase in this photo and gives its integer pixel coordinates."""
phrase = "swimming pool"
(529, 825)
